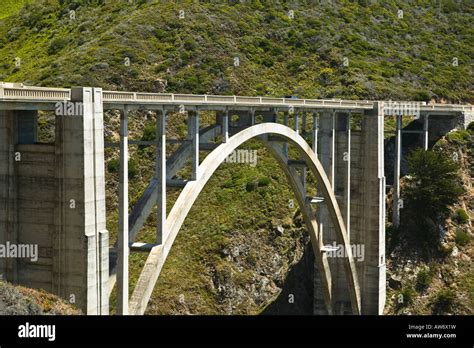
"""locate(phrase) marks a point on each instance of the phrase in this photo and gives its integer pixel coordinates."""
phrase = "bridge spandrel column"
(342, 173)
(326, 139)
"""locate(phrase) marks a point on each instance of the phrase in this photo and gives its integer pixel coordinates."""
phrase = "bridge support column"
(296, 119)
(194, 137)
(160, 176)
(326, 156)
(252, 116)
(396, 173)
(368, 209)
(285, 143)
(425, 131)
(314, 132)
(342, 175)
(123, 240)
(225, 126)
(303, 123)
(80, 252)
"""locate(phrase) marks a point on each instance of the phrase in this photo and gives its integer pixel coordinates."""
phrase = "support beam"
(396, 173)
(225, 126)
(314, 133)
(343, 172)
(123, 248)
(160, 176)
(303, 123)
(326, 228)
(425, 131)
(194, 133)
(297, 121)
(285, 144)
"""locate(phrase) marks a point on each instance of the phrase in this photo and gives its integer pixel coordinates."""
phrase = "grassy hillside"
(10, 7)
(242, 249)
(352, 49)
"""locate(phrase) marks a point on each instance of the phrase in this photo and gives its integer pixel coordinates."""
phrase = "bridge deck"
(28, 96)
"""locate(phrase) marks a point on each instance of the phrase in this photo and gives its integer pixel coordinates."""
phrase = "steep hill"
(242, 249)
(352, 49)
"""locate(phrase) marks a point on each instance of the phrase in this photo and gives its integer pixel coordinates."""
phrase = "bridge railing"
(118, 97)
(18, 91)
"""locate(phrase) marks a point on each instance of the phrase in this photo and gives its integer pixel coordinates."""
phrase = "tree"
(433, 186)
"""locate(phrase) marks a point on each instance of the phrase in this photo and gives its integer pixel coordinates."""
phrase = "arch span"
(188, 196)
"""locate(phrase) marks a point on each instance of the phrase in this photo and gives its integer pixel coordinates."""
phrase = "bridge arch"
(206, 169)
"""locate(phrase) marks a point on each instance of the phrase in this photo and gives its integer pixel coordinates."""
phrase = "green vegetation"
(460, 137)
(405, 297)
(10, 7)
(338, 49)
(462, 237)
(433, 187)
(444, 301)
(461, 216)
(423, 279)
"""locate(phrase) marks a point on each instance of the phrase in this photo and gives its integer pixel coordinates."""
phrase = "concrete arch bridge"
(53, 195)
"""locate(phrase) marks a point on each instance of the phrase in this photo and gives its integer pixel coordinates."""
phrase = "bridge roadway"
(17, 96)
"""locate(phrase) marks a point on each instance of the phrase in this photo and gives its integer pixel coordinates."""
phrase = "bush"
(57, 45)
(460, 137)
(113, 165)
(405, 296)
(445, 300)
(461, 216)
(470, 127)
(251, 186)
(462, 238)
(132, 169)
(263, 181)
(149, 134)
(423, 279)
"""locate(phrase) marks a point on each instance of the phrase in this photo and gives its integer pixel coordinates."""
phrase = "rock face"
(260, 276)
(17, 300)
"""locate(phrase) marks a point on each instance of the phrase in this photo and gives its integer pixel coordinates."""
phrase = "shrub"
(405, 296)
(132, 169)
(462, 238)
(57, 45)
(461, 216)
(423, 279)
(470, 127)
(149, 134)
(264, 181)
(460, 137)
(113, 165)
(251, 186)
(445, 300)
